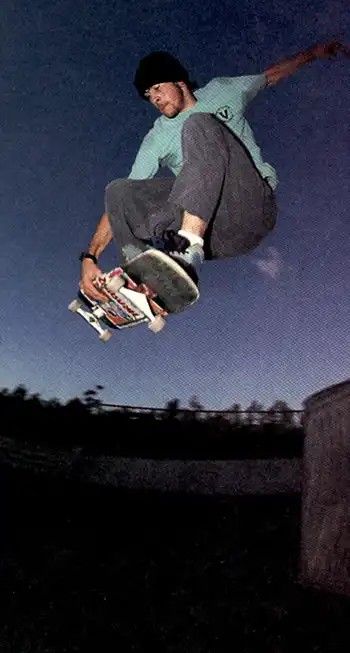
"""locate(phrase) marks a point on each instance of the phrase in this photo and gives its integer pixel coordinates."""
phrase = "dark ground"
(84, 568)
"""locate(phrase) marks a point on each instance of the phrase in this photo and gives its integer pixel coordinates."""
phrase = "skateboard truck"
(135, 310)
(149, 288)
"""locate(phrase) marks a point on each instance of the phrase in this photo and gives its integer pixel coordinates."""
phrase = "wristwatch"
(88, 255)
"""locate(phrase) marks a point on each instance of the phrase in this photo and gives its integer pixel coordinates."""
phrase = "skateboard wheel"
(157, 324)
(74, 305)
(105, 336)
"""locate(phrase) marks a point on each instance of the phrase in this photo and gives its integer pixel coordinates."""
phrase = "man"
(222, 201)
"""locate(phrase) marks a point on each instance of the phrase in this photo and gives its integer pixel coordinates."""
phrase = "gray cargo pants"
(218, 182)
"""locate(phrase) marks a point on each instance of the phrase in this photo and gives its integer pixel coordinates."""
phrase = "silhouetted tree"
(75, 407)
(252, 416)
(278, 414)
(92, 399)
(172, 407)
(236, 419)
(283, 414)
(53, 403)
(20, 392)
(195, 406)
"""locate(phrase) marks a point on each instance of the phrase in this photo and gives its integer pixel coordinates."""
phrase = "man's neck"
(190, 103)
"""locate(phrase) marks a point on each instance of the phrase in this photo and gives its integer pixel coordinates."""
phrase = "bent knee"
(115, 191)
(117, 185)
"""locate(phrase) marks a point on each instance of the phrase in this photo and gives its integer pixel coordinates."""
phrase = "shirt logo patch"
(224, 113)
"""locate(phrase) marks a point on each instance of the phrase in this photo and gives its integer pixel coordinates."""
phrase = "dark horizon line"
(203, 410)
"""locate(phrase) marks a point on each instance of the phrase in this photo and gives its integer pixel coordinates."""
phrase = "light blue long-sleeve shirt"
(227, 98)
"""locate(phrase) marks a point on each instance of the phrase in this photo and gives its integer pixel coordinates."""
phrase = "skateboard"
(146, 290)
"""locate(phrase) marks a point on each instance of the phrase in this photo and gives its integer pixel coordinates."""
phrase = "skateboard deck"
(146, 290)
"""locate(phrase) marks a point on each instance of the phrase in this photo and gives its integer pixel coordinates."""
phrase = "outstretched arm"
(102, 236)
(293, 64)
(89, 270)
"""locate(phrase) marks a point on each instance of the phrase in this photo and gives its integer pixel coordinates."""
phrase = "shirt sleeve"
(250, 86)
(147, 161)
(240, 90)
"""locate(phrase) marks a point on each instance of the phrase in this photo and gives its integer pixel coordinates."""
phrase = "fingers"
(89, 282)
(336, 47)
(90, 290)
(95, 288)
(331, 50)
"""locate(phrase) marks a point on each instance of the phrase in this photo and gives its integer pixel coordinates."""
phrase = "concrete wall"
(325, 542)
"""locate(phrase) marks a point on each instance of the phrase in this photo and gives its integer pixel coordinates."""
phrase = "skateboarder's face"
(170, 98)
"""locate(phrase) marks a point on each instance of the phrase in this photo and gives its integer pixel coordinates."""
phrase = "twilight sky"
(271, 325)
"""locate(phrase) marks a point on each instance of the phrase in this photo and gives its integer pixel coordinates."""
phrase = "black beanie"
(158, 67)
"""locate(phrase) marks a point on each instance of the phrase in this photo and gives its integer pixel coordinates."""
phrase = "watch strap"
(88, 255)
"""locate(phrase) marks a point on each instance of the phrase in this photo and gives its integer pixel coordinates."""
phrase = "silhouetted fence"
(232, 417)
